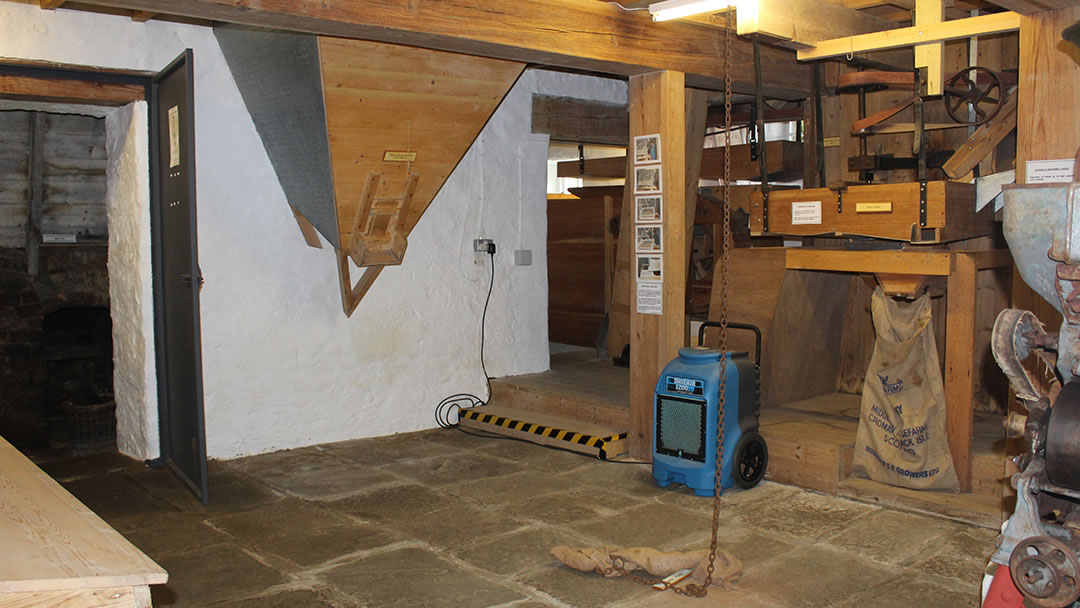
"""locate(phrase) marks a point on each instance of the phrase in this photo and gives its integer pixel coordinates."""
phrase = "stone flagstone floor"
(440, 518)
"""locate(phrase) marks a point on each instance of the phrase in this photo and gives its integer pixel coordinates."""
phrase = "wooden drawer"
(886, 211)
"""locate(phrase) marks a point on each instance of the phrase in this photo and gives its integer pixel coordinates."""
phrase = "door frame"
(39, 81)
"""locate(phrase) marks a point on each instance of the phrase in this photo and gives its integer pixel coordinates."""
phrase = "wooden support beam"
(142, 16)
(982, 142)
(908, 4)
(657, 105)
(580, 120)
(574, 34)
(930, 56)
(959, 349)
(1030, 7)
(311, 234)
(784, 162)
(910, 36)
(801, 24)
(352, 294)
(870, 262)
(58, 90)
(622, 283)
(697, 106)
(52, 4)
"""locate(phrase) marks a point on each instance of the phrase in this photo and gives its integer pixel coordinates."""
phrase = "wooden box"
(886, 211)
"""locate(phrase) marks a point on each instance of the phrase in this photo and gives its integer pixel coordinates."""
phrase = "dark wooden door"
(177, 278)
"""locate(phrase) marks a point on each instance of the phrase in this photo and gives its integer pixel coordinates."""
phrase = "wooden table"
(55, 552)
(906, 269)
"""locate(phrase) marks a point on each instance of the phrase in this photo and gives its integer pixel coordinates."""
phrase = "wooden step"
(593, 392)
(808, 450)
(595, 440)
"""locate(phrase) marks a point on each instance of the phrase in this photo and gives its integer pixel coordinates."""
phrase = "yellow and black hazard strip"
(602, 447)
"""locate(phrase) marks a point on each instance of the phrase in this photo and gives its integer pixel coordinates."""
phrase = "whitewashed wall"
(283, 367)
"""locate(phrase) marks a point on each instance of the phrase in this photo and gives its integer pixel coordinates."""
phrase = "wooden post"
(657, 106)
(930, 56)
(609, 253)
(959, 355)
(697, 108)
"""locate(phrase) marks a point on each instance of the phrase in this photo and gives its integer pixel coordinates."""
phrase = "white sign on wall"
(806, 212)
(1058, 171)
(650, 298)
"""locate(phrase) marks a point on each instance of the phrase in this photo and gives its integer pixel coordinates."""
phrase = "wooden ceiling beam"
(583, 35)
(51, 4)
(906, 4)
(1029, 7)
(910, 36)
(142, 16)
(59, 90)
(802, 23)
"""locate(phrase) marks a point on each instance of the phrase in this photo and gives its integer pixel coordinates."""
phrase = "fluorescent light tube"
(676, 9)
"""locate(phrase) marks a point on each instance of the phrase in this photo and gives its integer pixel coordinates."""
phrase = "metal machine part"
(1046, 571)
(1041, 539)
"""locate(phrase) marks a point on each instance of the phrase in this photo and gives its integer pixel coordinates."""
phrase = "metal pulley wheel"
(975, 88)
(1046, 571)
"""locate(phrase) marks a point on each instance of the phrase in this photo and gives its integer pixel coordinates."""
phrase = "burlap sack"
(901, 439)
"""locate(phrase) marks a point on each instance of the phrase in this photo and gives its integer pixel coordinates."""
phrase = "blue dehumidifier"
(685, 415)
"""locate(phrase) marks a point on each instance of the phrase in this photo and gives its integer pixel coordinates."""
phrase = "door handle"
(187, 278)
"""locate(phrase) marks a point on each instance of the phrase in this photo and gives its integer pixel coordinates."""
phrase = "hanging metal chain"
(618, 565)
(725, 258)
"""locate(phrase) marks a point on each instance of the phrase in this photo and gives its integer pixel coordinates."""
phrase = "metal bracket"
(753, 135)
(764, 210)
(581, 159)
(840, 202)
(922, 204)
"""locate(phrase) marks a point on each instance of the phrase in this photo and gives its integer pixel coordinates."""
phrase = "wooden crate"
(887, 211)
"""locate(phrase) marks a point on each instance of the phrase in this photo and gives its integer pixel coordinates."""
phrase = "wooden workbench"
(910, 268)
(56, 552)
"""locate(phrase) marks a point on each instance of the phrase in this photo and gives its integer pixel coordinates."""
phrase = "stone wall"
(70, 277)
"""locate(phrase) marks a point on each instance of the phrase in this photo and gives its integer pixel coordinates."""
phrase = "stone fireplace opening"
(56, 347)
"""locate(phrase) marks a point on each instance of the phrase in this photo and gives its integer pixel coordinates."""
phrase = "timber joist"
(585, 35)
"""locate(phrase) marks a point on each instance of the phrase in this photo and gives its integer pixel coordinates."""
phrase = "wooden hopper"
(362, 135)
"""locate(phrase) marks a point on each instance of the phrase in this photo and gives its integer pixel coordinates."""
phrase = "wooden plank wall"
(576, 265)
(73, 176)
(14, 177)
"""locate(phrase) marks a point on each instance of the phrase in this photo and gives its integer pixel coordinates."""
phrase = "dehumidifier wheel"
(751, 459)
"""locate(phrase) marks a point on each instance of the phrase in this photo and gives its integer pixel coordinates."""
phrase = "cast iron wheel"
(976, 88)
(751, 459)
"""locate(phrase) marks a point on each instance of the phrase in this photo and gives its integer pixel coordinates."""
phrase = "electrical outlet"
(480, 250)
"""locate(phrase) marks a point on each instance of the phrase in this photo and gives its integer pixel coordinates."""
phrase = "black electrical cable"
(447, 406)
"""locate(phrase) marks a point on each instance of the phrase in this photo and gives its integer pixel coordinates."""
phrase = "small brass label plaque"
(873, 207)
(399, 157)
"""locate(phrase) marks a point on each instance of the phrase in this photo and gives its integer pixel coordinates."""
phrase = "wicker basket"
(92, 426)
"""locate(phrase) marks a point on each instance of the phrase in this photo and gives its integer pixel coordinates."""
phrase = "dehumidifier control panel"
(685, 386)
